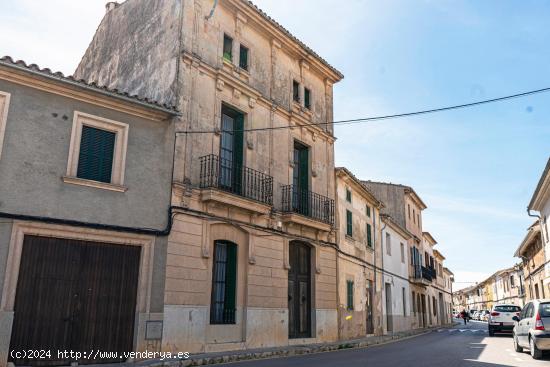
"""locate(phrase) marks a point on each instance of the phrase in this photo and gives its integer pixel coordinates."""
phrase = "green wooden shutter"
(350, 295)
(304, 169)
(95, 160)
(369, 235)
(349, 223)
(238, 152)
(230, 279)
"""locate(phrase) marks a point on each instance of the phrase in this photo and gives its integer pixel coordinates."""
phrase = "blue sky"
(475, 168)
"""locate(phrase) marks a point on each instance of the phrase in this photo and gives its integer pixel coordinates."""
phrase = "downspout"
(211, 14)
(382, 287)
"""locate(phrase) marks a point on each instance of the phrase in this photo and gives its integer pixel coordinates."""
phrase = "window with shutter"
(349, 223)
(307, 98)
(243, 57)
(95, 160)
(350, 295)
(369, 235)
(227, 47)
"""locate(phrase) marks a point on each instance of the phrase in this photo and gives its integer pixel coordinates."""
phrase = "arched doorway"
(299, 290)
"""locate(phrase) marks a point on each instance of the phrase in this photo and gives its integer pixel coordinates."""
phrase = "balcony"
(309, 205)
(221, 176)
(422, 275)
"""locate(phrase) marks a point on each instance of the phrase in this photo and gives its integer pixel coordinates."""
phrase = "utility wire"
(378, 118)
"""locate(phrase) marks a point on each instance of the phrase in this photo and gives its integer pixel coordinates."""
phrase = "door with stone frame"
(299, 291)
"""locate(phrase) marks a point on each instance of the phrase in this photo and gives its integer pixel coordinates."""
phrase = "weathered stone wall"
(135, 49)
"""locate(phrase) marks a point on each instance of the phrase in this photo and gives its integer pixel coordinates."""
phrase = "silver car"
(532, 328)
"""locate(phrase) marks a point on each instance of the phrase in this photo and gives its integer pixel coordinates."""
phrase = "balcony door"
(300, 179)
(369, 307)
(231, 150)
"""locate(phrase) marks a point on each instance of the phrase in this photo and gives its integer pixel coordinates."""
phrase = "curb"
(281, 352)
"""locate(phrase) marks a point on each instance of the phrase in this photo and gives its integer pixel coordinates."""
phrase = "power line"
(378, 118)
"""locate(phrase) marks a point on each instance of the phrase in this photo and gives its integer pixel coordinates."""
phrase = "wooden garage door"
(75, 295)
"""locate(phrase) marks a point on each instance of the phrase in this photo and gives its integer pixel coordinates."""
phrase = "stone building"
(77, 271)
(540, 202)
(359, 260)
(251, 259)
(532, 254)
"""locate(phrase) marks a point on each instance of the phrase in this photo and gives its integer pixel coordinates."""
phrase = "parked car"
(476, 315)
(501, 318)
(472, 314)
(484, 315)
(532, 328)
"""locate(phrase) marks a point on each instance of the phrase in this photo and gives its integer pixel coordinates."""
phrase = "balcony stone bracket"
(205, 246)
(317, 258)
(251, 253)
(286, 256)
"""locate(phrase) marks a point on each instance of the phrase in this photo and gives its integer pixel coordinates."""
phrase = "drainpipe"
(382, 290)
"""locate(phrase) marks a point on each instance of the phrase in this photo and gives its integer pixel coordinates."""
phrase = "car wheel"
(491, 332)
(517, 347)
(536, 353)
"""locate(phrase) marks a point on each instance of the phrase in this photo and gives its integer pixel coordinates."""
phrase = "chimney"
(111, 5)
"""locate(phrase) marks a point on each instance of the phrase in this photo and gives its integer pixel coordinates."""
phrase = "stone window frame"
(4, 107)
(121, 129)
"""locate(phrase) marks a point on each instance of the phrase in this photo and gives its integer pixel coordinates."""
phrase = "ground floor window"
(224, 283)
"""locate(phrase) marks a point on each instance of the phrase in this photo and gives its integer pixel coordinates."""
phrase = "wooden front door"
(369, 307)
(299, 291)
(75, 296)
(389, 309)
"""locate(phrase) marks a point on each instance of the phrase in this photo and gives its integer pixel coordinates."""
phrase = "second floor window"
(295, 91)
(243, 57)
(349, 286)
(95, 160)
(348, 195)
(227, 47)
(368, 211)
(402, 252)
(349, 223)
(307, 98)
(369, 235)
(388, 244)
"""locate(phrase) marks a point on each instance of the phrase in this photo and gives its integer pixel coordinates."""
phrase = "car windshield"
(508, 308)
(544, 310)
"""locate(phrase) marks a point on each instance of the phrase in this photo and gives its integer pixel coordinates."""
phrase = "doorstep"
(274, 352)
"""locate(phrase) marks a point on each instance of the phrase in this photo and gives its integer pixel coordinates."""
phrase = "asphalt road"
(461, 346)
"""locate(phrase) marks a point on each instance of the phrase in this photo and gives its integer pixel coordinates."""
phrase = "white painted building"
(396, 298)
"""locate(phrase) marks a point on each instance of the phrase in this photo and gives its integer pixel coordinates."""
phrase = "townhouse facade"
(503, 287)
(359, 261)
(75, 159)
(540, 203)
(251, 258)
(397, 303)
(532, 254)
(183, 210)
(405, 208)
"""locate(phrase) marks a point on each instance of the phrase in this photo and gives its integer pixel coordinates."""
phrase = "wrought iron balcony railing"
(428, 273)
(225, 175)
(423, 272)
(308, 203)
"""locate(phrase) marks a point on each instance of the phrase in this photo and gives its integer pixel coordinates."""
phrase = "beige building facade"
(359, 258)
(251, 259)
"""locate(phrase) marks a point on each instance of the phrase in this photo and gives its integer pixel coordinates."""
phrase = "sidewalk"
(275, 352)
